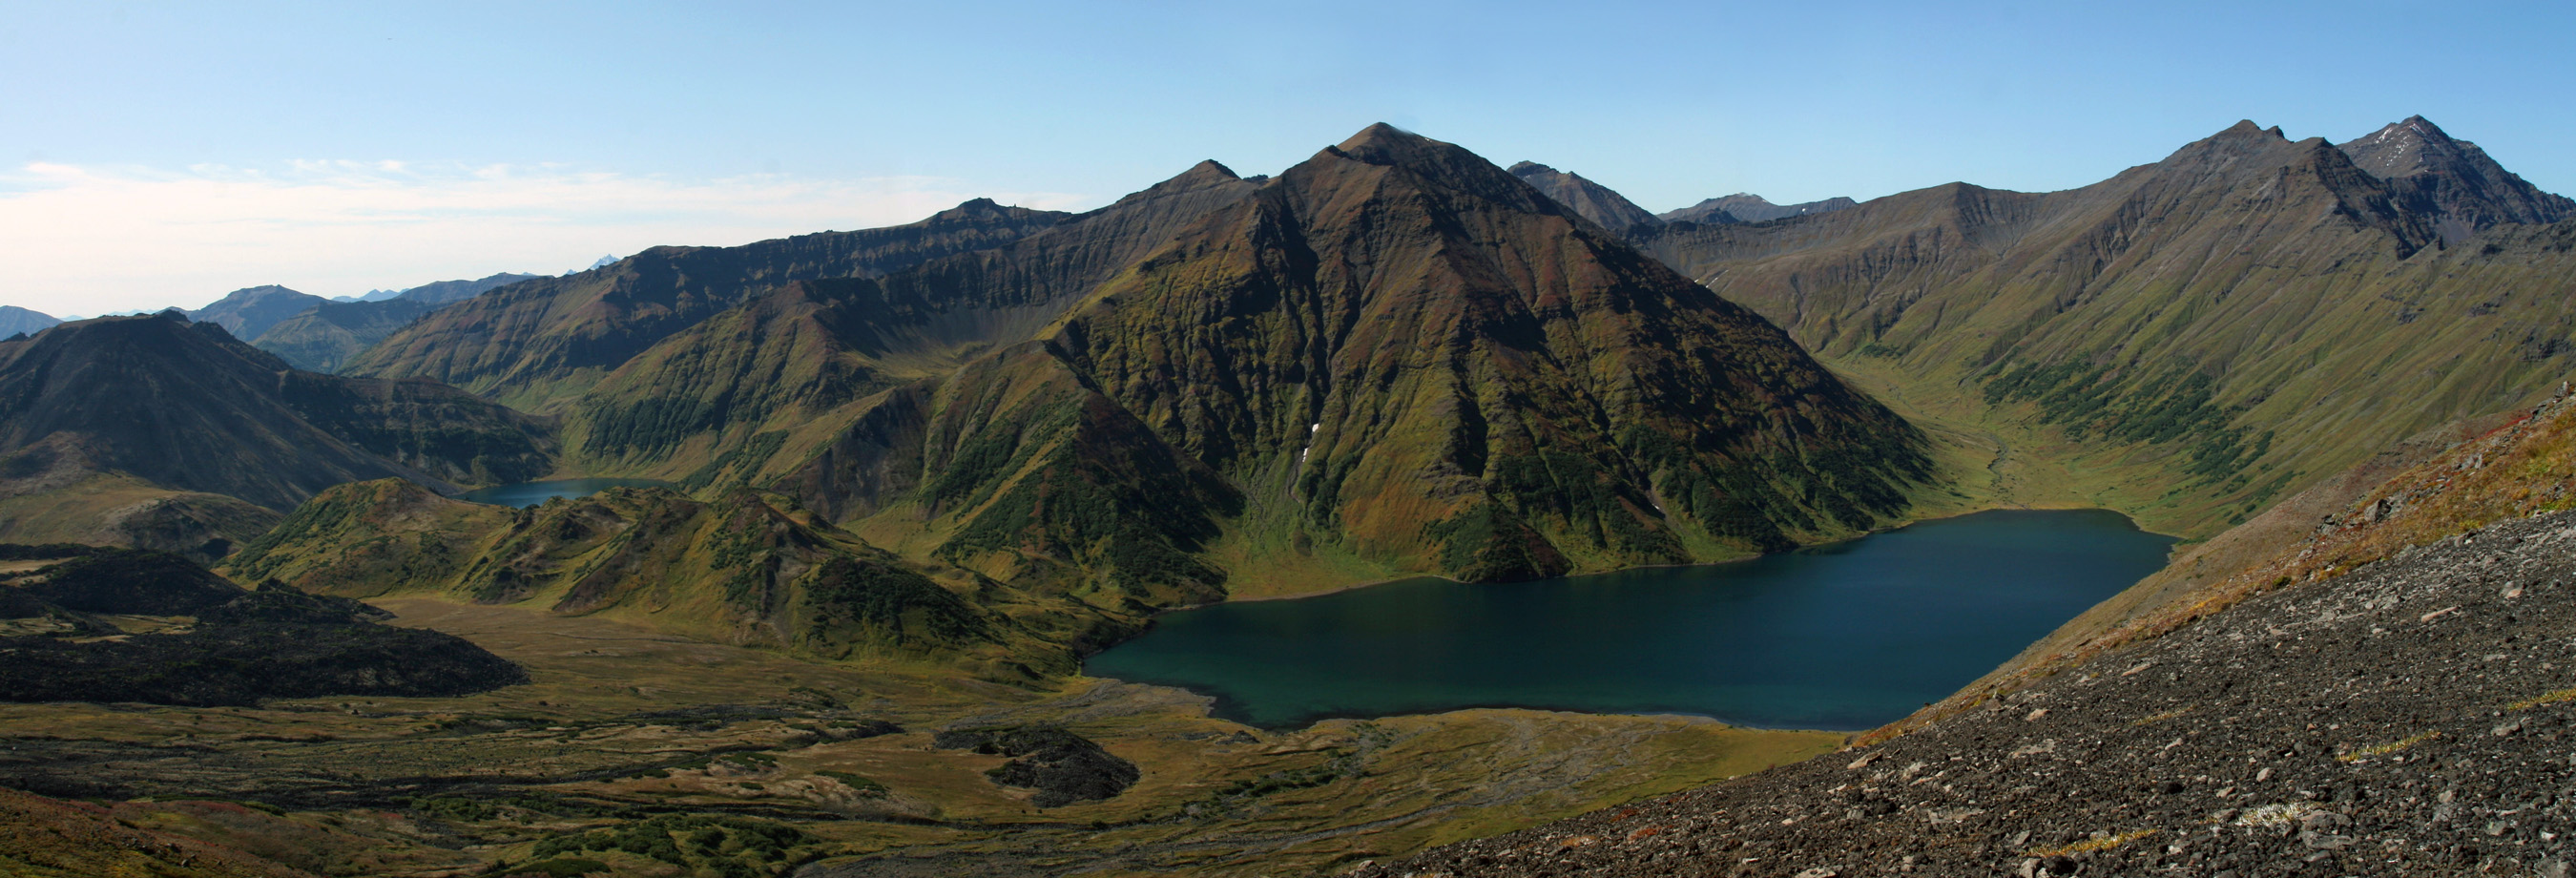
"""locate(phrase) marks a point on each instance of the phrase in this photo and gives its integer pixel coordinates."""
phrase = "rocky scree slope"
(2408, 718)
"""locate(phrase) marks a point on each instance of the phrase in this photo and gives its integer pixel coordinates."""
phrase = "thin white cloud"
(87, 240)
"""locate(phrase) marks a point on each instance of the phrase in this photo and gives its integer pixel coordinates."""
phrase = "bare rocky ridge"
(2452, 180)
(1746, 207)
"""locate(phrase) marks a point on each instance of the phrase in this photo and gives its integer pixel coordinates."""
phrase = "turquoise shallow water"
(537, 493)
(1845, 636)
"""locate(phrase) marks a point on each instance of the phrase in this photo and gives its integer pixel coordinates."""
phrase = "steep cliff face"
(2224, 325)
(540, 343)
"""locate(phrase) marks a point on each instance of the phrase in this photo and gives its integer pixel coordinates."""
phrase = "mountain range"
(2248, 314)
(953, 457)
(324, 337)
(161, 432)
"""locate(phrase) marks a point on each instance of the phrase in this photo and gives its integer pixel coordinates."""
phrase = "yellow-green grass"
(1210, 800)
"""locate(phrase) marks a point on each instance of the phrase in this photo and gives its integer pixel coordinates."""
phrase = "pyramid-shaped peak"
(2422, 126)
(1384, 144)
(1210, 169)
(2415, 146)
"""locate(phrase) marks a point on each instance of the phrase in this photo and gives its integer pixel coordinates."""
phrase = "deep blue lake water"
(1844, 636)
(526, 494)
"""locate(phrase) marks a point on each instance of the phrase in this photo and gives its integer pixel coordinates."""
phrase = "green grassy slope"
(537, 344)
(732, 570)
(2196, 336)
(184, 407)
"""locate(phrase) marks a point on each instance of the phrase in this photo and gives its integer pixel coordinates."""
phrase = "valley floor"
(624, 727)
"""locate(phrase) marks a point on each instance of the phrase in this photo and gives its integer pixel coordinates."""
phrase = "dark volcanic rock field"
(2412, 717)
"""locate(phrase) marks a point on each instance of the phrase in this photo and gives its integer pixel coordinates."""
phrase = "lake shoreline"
(1842, 635)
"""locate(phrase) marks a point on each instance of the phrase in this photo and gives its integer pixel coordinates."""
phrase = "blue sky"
(155, 154)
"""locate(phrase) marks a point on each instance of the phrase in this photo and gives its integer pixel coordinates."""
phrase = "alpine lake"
(526, 494)
(1844, 636)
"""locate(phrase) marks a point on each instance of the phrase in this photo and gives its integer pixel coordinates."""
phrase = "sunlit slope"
(732, 570)
(158, 432)
(1408, 352)
(2203, 333)
(1393, 358)
(537, 344)
(781, 373)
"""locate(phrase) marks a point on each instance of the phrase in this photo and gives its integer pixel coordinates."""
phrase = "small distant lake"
(526, 494)
(1844, 636)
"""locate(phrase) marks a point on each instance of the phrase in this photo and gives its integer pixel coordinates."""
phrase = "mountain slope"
(790, 363)
(324, 338)
(186, 409)
(1430, 363)
(15, 320)
(732, 570)
(539, 343)
(328, 335)
(2202, 333)
(1589, 200)
(248, 312)
(1221, 376)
